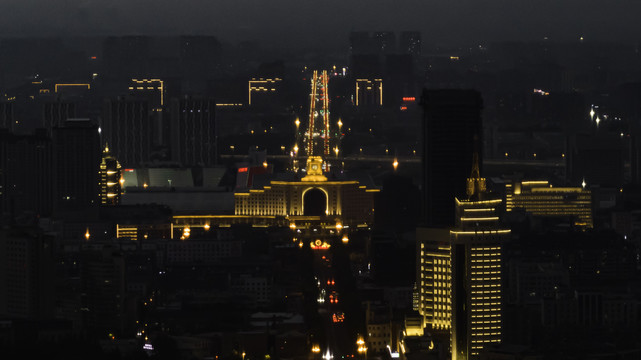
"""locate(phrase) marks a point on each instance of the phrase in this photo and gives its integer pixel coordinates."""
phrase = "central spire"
(476, 185)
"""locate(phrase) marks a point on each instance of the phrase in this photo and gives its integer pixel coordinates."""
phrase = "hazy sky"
(324, 21)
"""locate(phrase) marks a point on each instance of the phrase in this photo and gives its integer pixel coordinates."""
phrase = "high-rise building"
(76, 148)
(476, 245)
(193, 131)
(22, 156)
(541, 199)
(111, 179)
(127, 125)
(369, 92)
(459, 272)
(452, 122)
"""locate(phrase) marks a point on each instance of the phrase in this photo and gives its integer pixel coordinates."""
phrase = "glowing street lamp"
(336, 150)
(340, 125)
(207, 227)
(297, 122)
(395, 164)
(345, 239)
(592, 112)
(87, 234)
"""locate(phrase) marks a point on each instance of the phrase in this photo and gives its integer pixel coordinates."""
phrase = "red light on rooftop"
(129, 170)
(243, 169)
(409, 98)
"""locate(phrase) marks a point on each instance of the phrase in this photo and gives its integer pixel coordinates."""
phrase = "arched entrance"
(314, 202)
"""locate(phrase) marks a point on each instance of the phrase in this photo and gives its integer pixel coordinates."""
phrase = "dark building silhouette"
(128, 128)
(56, 112)
(6, 115)
(452, 121)
(26, 274)
(410, 43)
(193, 134)
(76, 149)
(25, 174)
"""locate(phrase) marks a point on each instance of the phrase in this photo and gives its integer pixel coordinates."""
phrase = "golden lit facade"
(154, 88)
(265, 85)
(111, 180)
(433, 278)
(311, 197)
(369, 92)
(459, 274)
(541, 199)
(476, 285)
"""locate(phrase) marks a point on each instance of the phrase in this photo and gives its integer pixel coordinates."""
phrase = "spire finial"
(475, 183)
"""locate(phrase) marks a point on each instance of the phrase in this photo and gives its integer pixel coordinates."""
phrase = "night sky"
(295, 21)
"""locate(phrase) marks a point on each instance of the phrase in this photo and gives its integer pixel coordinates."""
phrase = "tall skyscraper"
(111, 179)
(476, 270)
(452, 122)
(459, 272)
(127, 125)
(410, 43)
(76, 148)
(193, 131)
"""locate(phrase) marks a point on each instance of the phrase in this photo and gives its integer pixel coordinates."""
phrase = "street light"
(395, 164)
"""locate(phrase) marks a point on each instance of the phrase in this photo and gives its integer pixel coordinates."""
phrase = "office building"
(459, 272)
(541, 199)
(193, 134)
(369, 92)
(111, 179)
(477, 271)
(452, 122)
(76, 149)
(7, 114)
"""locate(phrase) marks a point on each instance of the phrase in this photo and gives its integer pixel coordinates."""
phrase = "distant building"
(459, 273)
(25, 174)
(193, 131)
(55, 113)
(110, 179)
(76, 148)
(410, 43)
(26, 274)
(452, 122)
(540, 199)
(369, 92)
(128, 127)
(103, 286)
(477, 275)
(7, 114)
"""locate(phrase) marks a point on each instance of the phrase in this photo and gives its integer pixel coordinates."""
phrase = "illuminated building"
(541, 199)
(265, 85)
(459, 272)
(111, 179)
(311, 198)
(193, 135)
(151, 89)
(452, 121)
(369, 92)
(476, 246)
(127, 127)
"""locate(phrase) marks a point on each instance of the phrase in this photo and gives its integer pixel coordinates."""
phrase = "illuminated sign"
(243, 169)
